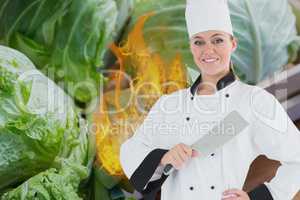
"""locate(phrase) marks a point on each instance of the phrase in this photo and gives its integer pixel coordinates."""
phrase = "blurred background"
(112, 59)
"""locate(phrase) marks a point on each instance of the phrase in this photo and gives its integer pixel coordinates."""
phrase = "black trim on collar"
(222, 83)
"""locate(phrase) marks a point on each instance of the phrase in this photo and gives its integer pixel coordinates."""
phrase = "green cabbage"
(265, 30)
(52, 184)
(39, 130)
(66, 39)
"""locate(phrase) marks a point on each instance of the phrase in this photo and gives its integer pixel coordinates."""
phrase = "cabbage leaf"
(41, 135)
(66, 39)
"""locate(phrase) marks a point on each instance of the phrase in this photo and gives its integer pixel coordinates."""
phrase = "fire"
(153, 77)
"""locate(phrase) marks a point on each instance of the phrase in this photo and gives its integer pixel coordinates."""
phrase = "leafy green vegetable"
(38, 131)
(66, 39)
(264, 29)
(50, 185)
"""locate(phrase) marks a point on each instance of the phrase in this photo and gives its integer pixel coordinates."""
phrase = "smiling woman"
(212, 52)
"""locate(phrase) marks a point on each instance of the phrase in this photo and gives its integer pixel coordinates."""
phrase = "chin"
(212, 70)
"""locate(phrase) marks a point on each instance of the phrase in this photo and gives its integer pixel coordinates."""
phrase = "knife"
(220, 134)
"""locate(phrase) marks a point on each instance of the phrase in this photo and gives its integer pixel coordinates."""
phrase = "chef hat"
(204, 15)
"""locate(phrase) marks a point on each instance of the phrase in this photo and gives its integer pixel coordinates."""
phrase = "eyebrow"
(216, 34)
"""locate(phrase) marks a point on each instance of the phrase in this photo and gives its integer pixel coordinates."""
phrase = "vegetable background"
(47, 149)
(38, 132)
(65, 39)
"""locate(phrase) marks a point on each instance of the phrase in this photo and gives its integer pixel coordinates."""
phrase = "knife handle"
(168, 169)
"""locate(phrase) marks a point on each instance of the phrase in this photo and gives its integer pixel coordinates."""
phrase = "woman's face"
(212, 50)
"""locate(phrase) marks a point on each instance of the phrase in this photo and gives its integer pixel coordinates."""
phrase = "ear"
(234, 44)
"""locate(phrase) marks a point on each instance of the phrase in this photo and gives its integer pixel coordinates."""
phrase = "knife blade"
(232, 125)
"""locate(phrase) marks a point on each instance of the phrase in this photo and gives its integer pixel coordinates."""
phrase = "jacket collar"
(222, 83)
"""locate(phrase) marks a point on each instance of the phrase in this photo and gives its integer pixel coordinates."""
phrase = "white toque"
(205, 15)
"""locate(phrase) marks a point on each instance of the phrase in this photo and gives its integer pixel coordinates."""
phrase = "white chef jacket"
(184, 117)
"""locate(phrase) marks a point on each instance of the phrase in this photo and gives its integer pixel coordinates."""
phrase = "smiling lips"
(209, 60)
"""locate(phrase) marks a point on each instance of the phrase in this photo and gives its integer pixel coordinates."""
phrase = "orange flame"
(150, 78)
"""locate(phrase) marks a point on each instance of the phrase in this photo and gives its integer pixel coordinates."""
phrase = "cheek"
(196, 52)
(225, 54)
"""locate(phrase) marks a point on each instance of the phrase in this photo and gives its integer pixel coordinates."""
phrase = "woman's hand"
(235, 194)
(178, 155)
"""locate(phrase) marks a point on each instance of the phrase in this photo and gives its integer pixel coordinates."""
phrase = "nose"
(208, 48)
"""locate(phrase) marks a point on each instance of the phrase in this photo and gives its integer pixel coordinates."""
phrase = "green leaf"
(39, 134)
(66, 39)
(264, 30)
(50, 185)
(100, 191)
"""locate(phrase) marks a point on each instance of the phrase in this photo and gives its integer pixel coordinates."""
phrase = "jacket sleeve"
(276, 136)
(139, 157)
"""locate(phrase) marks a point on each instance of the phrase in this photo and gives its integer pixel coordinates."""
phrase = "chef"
(178, 120)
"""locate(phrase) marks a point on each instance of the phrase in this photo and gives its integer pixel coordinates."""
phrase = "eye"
(199, 42)
(218, 41)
